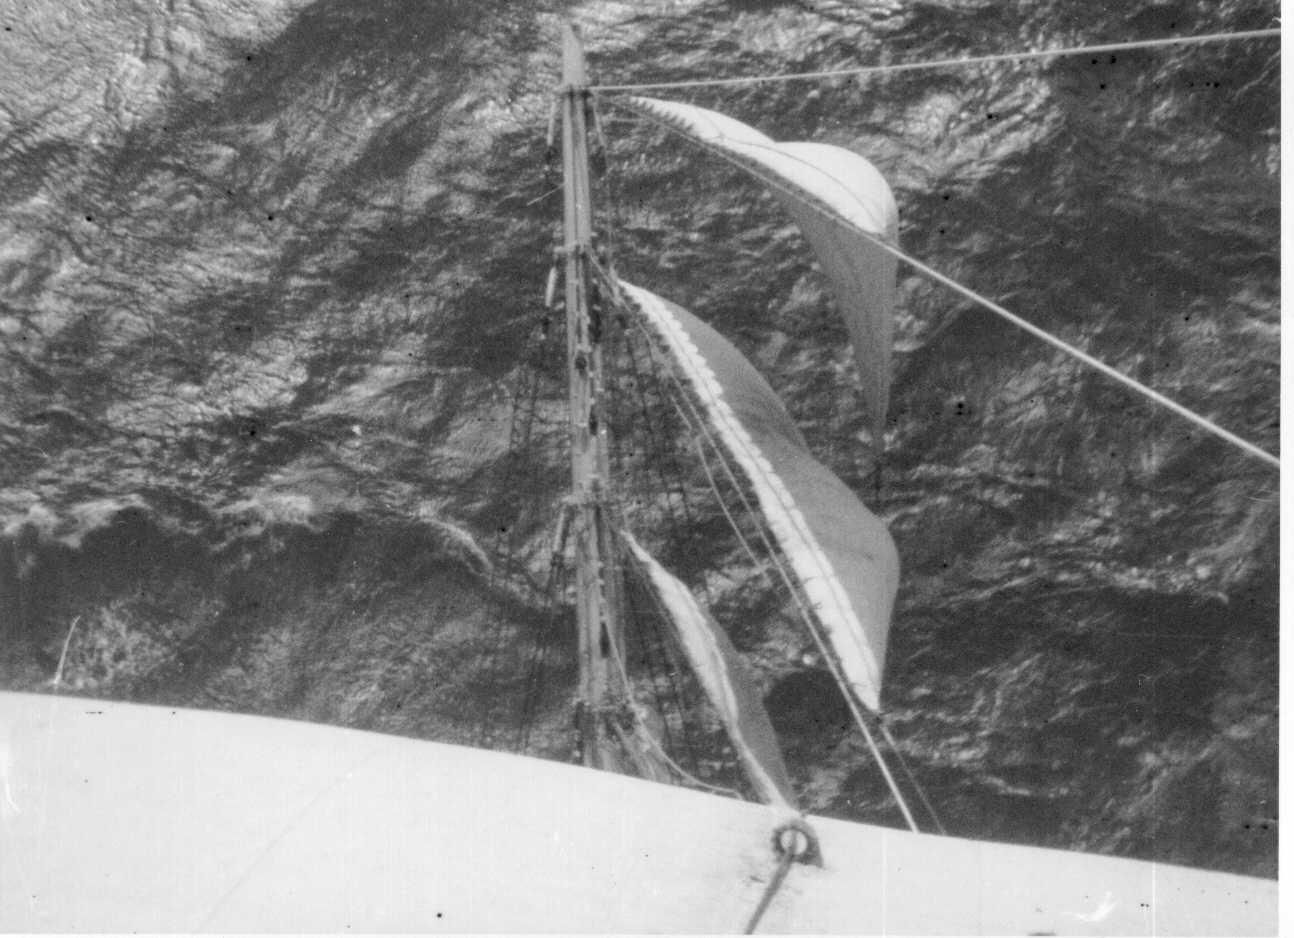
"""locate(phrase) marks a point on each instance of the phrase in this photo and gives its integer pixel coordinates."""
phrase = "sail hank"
(841, 203)
(725, 679)
(841, 554)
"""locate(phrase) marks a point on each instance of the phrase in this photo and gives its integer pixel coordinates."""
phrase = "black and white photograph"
(658, 467)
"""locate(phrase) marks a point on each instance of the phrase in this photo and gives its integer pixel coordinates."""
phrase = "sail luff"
(755, 428)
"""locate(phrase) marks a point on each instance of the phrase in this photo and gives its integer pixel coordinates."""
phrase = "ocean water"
(280, 431)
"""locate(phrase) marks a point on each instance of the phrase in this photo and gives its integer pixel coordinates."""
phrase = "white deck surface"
(129, 818)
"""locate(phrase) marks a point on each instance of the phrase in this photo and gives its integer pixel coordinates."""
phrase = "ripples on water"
(266, 290)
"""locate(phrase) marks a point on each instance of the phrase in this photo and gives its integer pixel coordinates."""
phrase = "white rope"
(1110, 372)
(1166, 402)
(62, 658)
(949, 63)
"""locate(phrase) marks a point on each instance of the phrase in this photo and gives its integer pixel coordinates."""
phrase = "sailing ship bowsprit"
(128, 818)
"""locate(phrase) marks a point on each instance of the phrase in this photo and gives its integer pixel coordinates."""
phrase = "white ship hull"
(124, 818)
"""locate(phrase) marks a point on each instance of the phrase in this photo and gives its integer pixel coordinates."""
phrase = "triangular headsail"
(839, 551)
(838, 199)
(724, 677)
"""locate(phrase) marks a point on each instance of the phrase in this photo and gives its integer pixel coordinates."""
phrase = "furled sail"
(838, 199)
(723, 676)
(840, 552)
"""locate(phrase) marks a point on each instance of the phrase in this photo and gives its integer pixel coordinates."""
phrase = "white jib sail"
(840, 202)
(841, 554)
(724, 677)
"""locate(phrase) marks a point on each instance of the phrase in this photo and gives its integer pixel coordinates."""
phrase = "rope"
(1071, 350)
(949, 63)
(641, 730)
(651, 651)
(681, 541)
(760, 566)
(657, 447)
(540, 198)
(876, 753)
(651, 655)
(524, 407)
(532, 687)
(657, 653)
(649, 658)
(665, 394)
(805, 615)
(1131, 383)
(907, 770)
(62, 658)
(784, 862)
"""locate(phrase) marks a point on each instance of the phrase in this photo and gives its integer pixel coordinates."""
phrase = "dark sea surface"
(271, 302)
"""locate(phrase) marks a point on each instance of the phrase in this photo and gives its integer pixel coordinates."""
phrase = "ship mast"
(597, 585)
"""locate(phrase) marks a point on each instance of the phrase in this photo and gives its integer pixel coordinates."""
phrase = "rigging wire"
(540, 198)
(1078, 354)
(786, 578)
(612, 288)
(611, 213)
(558, 576)
(979, 299)
(524, 409)
(641, 729)
(907, 770)
(657, 447)
(1154, 396)
(656, 655)
(678, 489)
(653, 662)
(948, 63)
(762, 569)
(760, 566)
(660, 653)
(1110, 372)
(789, 581)
(613, 224)
(649, 652)
(657, 665)
(676, 531)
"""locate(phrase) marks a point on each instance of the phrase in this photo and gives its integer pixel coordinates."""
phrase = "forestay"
(841, 202)
(840, 552)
